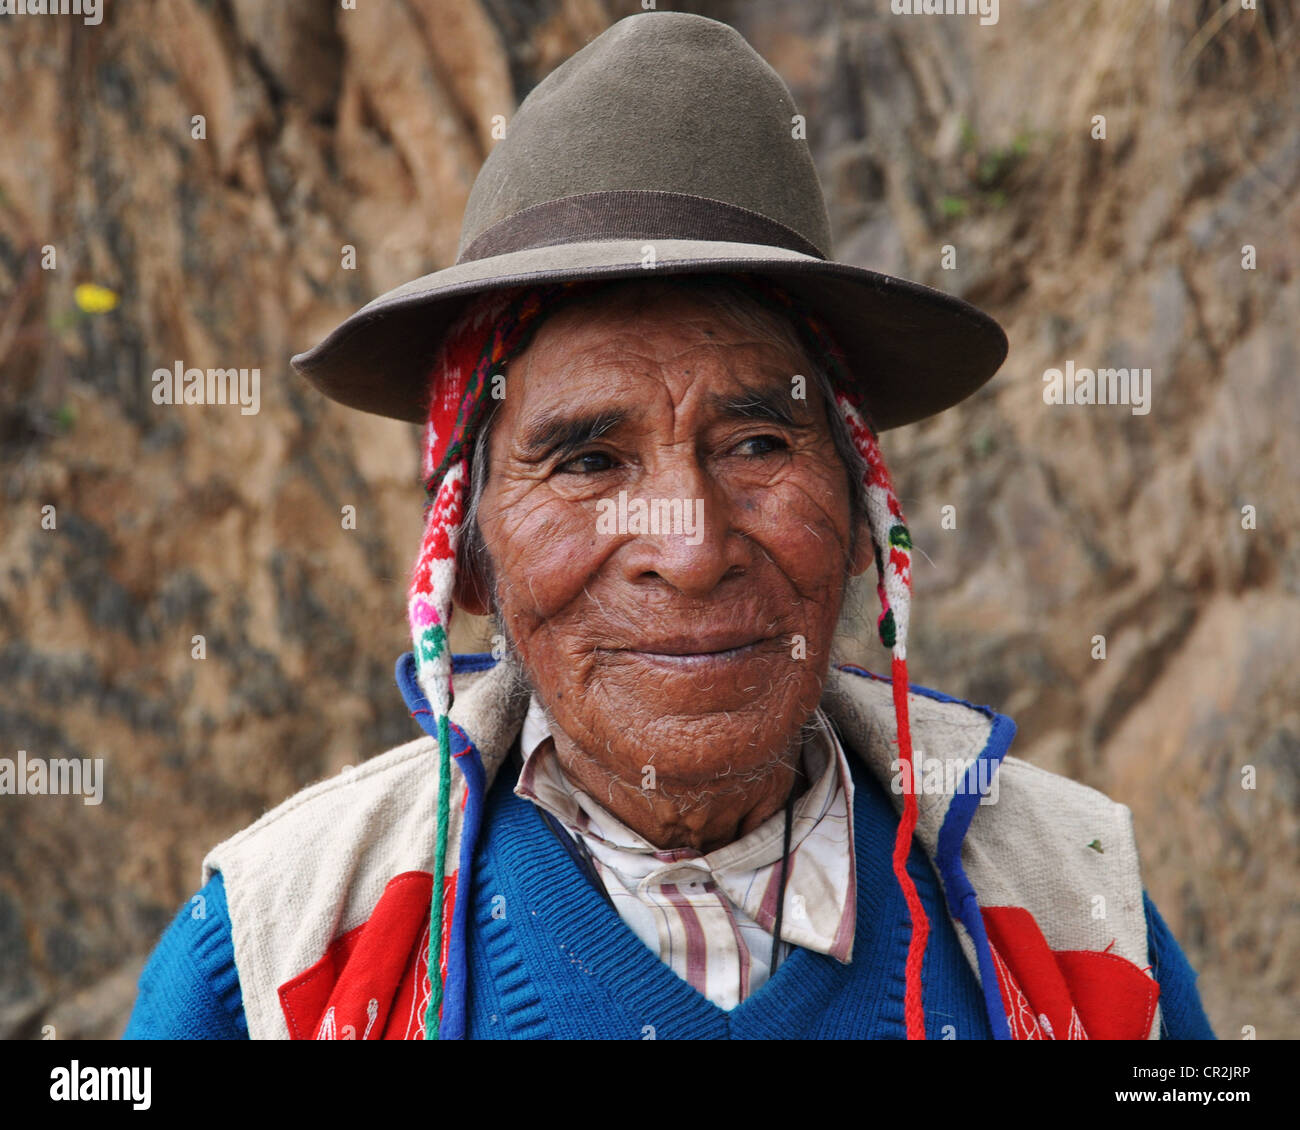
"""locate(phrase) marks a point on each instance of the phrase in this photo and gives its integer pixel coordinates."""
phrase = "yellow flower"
(95, 299)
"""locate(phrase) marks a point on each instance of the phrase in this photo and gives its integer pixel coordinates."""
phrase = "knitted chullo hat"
(494, 328)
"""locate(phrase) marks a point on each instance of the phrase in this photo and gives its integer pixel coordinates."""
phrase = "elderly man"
(660, 809)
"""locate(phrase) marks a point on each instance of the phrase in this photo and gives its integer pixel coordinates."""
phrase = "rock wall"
(325, 129)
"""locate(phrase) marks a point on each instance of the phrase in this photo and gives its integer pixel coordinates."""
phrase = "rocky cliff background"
(326, 128)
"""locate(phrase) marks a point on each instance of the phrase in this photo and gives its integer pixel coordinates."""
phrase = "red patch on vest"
(373, 983)
(1065, 994)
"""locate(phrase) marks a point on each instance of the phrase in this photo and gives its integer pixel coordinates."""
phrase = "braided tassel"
(893, 549)
(491, 330)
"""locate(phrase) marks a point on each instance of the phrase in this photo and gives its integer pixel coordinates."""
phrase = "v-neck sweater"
(549, 958)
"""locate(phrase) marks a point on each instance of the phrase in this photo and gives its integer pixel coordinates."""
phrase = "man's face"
(700, 651)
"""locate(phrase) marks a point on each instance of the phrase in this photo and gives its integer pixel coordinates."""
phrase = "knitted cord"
(893, 550)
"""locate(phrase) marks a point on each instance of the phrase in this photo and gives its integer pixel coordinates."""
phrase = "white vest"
(313, 868)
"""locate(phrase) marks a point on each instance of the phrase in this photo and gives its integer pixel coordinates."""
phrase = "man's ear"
(471, 591)
(864, 551)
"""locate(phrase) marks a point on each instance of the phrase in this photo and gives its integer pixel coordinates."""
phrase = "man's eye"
(762, 445)
(589, 463)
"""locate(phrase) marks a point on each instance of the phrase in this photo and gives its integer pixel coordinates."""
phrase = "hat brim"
(915, 350)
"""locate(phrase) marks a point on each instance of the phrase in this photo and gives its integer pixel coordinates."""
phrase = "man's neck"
(671, 817)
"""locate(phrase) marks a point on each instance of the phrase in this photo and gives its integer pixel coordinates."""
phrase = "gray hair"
(734, 303)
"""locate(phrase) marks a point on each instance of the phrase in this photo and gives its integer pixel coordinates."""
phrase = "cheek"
(804, 529)
(545, 554)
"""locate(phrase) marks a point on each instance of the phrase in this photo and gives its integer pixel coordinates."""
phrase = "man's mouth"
(698, 650)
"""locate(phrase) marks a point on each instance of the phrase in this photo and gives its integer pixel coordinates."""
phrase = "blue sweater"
(560, 963)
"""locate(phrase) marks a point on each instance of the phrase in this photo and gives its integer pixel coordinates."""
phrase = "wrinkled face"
(688, 623)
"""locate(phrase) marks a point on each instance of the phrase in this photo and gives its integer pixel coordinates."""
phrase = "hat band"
(632, 214)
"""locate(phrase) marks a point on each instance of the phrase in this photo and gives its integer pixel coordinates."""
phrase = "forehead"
(685, 336)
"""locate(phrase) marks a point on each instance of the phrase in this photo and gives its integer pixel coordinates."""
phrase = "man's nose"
(692, 542)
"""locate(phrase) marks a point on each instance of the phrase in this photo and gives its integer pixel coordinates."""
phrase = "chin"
(717, 735)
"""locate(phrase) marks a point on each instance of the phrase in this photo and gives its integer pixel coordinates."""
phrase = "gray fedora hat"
(667, 130)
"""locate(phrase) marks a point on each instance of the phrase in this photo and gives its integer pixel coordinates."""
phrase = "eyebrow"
(771, 405)
(560, 434)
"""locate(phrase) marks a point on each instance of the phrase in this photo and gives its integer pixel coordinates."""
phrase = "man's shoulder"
(350, 797)
(1007, 832)
(351, 805)
(1033, 779)
(314, 867)
(948, 727)
(1015, 825)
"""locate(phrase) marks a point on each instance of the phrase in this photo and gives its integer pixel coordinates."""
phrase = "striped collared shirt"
(710, 916)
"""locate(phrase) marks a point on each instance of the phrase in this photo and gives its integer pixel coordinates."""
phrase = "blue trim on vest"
(962, 900)
(961, 894)
(473, 661)
(916, 688)
(466, 756)
(456, 992)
